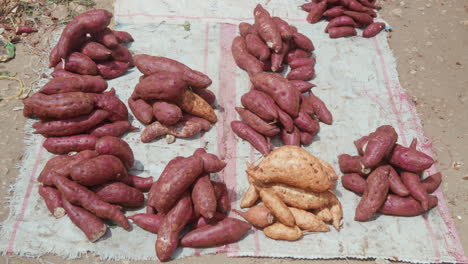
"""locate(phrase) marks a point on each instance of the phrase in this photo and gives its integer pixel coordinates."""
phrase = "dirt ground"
(429, 40)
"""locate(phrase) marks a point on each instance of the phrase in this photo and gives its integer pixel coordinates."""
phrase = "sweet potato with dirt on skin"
(149, 222)
(306, 123)
(115, 146)
(80, 195)
(257, 123)
(117, 109)
(299, 62)
(250, 197)
(88, 22)
(283, 28)
(432, 182)
(303, 73)
(373, 29)
(361, 144)
(141, 183)
(257, 47)
(303, 42)
(141, 110)
(379, 144)
(246, 28)
(72, 126)
(360, 18)
(260, 104)
(375, 194)
(119, 193)
(123, 36)
(340, 32)
(258, 216)
(354, 182)
(410, 159)
(99, 170)
(167, 113)
(405, 206)
(245, 132)
(296, 54)
(92, 226)
(267, 28)
(352, 164)
(340, 22)
(64, 145)
(79, 83)
(79, 63)
(228, 230)
(121, 53)
(106, 37)
(112, 69)
(277, 207)
(278, 58)
(203, 197)
(308, 221)
(320, 109)
(115, 129)
(316, 12)
(396, 185)
(193, 104)
(243, 58)
(206, 94)
(334, 12)
(95, 51)
(278, 231)
(187, 127)
(53, 200)
(415, 187)
(291, 139)
(58, 106)
(223, 204)
(173, 223)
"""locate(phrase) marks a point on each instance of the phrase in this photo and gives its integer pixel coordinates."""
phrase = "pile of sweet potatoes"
(184, 197)
(345, 16)
(296, 190)
(388, 176)
(171, 98)
(283, 106)
(93, 185)
(88, 47)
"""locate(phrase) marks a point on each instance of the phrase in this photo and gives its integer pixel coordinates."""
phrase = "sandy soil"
(429, 41)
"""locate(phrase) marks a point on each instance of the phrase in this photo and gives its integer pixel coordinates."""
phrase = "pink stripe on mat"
(32, 179)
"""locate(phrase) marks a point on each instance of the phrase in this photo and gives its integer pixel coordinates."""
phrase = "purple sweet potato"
(79, 83)
(257, 123)
(379, 145)
(375, 194)
(141, 183)
(354, 182)
(64, 145)
(257, 47)
(293, 138)
(99, 170)
(202, 221)
(58, 106)
(361, 144)
(115, 129)
(95, 51)
(203, 197)
(340, 22)
(306, 123)
(123, 36)
(278, 58)
(260, 104)
(117, 109)
(303, 42)
(243, 58)
(112, 69)
(432, 182)
(115, 146)
(223, 204)
(165, 86)
(396, 185)
(320, 109)
(167, 113)
(211, 162)
(51, 165)
(149, 222)
(410, 159)
(53, 200)
(283, 28)
(245, 132)
(373, 29)
(267, 28)
(303, 73)
(405, 206)
(120, 194)
(415, 187)
(106, 37)
(339, 32)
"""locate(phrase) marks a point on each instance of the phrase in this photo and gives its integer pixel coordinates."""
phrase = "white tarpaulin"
(357, 79)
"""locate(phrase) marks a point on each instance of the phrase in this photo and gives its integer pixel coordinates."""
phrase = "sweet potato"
(316, 12)
(187, 127)
(173, 223)
(294, 166)
(257, 123)
(206, 94)
(360, 18)
(80, 83)
(117, 147)
(415, 187)
(95, 51)
(51, 165)
(64, 145)
(260, 104)
(53, 200)
(228, 230)
(149, 65)
(285, 120)
(303, 73)
(302, 86)
(283, 28)
(92, 226)
(223, 204)
(257, 47)
(80, 195)
(117, 109)
(306, 138)
(323, 214)
(258, 216)
(373, 29)
(285, 95)
(405, 206)
(380, 143)
(121, 53)
(58, 106)
(278, 231)
(63, 73)
(79, 63)
(300, 62)
(141, 183)
(278, 58)
(106, 37)
(141, 109)
(361, 144)
(334, 12)
(339, 32)
(246, 28)
(203, 197)
(115, 129)
(202, 221)
(176, 178)
(320, 109)
(410, 159)
(352, 164)
(308, 221)
(340, 22)
(167, 113)
(72, 126)
(99, 170)
(432, 182)
(250, 197)
(354, 182)
(296, 54)
(305, 123)
(112, 69)
(120, 194)
(303, 42)
(307, 6)
(149, 222)
(367, 3)
(277, 207)
(123, 36)
(211, 162)
(88, 22)
(243, 58)
(336, 211)
(193, 104)
(293, 138)
(267, 28)
(396, 185)
(245, 132)
(374, 195)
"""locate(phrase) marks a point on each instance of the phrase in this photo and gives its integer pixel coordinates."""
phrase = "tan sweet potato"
(112, 69)
(64, 145)
(223, 203)
(203, 197)
(119, 193)
(141, 183)
(95, 51)
(278, 231)
(58, 106)
(405, 206)
(341, 21)
(167, 113)
(115, 129)
(99, 170)
(379, 144)
(277, 207)
(53, 200)
(257, 47)
(250, 197)
(258, 216)
(316, 12)
(260, 104)
(117, 109)
(123, 36)
(117, 147)
(432, 182)
(308, 221)
(243, 58)
(257, 123)
(340, 32)
(149, 222)
(79, 83)
(336, 211)
(416, 189)
(267, 28)
(283, 28)
(246, 28)
(374, 195)
(193, 104)
(206, 94)
(410, 159)
(245, 132)
(106, 37)
(187, 127)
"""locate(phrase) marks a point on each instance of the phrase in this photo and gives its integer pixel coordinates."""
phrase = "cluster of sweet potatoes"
(185, 197)
(345, 16)
(88, 47)
(277, 105)
(295, 188)
(171, 98)
(93, 185)
(388, 176)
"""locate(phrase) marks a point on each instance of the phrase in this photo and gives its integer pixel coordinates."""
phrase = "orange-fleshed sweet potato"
(58, 106)
(379, 145)
(115, 129)
(149, 222)
(299, 62)
(246, 28)
(306, 138)
(211, 162)
(228, 230)
(79, 63)
(141, 109)
(95, 51)
(173, 223)
(72, 126)
(245, 132)
(293, 138)
(223, 204)
(187, 127)
(432, 182)
(334, 12)
(417, 190)
(167, 113)
(243, 58)
(123, 36)
(260, 104)
(405, 206)
(115, 146)
(106, 37)
(99, 170)
(302, 86)
(206, 94)
(320, 109)
(92, 226)
(304, 73)
(285, 95)
(203, 197)
(340, 22)
(360, 18)
(258, 216)
(316, 12)
(141, 183)
(375, 194)
(53, 200)
(354, 182)
(373, 29)
(283, 28)
(410, 159)
(396, 185)
(339, 32)
(257, 123)
(296, 54)
(119, 193)
(306, 123)
(149, 65)
(257, 47)
(112, 69)
(303, 42)
(64, 145)
(121, 53)
(193, 104)
(267, 28)
(79, 83)
(80, 195)
(179, 174)
(285, 120)
(117, 109)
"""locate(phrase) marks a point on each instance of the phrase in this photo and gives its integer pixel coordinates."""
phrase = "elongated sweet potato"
(307, 6)
(303, 42)
(373, 29)
(206, 94)
(123, 37)
(267, 28)
(115, 129)
(277, 207)
(308, 221)
(228, 230)
(117, 109)
(352, 164)
(119, 193)
(223, 204)
(316, 12)
(141, 183)
(167, 113)
(193, 104)
(291, 139)
(95, 51)
(334, 12)
(360, 18)
(278, 58)
(405, 206)
(375, 194)
(340, 22)
(260, 104)
(323, 214)
(339, 32)
(106, 37)
(257, 123)
(58, 106)
(354, 182)
(410, 159)
(396, 185)
(417, 190)
(121, 53)
(79, 63)
(117, 147)
(285, 120)
(246, 28)
(250, 197)
(296, 54)
(320, 109)
(202, 221)
(432, 182)
(306, 138)
(379, 144)
(302, 86)
(211, 162)
(203, 197)
(173, 223)
(300, 62)
(141, 109)
(361, 144)
(283, 28)
(306, 123)
(53, 200)
(64, 145)
(243, 58)
(51, 165)
(278, 231)
(245, 132)
(99, 170)
(149, 222)
(112, 69)
(303, 73)
(187, 127)
(80, 83)
(257, 47)
(258, 216)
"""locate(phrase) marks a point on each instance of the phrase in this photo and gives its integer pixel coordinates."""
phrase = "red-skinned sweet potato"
(260, 104)
(396, 185)
(302, 86)
(258, 216)
(112, 69)
(119, 193)
(257, 123)
(121, 53)
(306, 123)
(352, 164)
(367, 3)
(117, 109)
(303, 42)
(339, 32)
(187, 127)
(211, 162)
(334, 12)
(267, 28)
(379, 144)
(141, 110)
(162, 86)
(243, 58)
(432, 182)
(206, 94)
(299, 62)
(141, 183)
(410, 159)
(79, 83)
(283, 28)
(202, 221)
(293, 138)
(257, 47)
(53, 200)
(278, 58)
(296, 54)
(307, 6)
(149, 222)
(285, 120)
(123, 36)
(203, 197)
(316, 12)
(417, 190)
(303, 73)
(106, 37)
(361, 144)
(115, 129)
(58, 106)
(375, 194)
(167, 113)
(99, 170)
(64, 145)
(245, 132)
(360, 18)
(95, 51)
(320, 109)
(405, 206)
(340, 22)
(51, 165)
(115, 146)
(354, 182)
(79, 63)
(306, 138)
(246, 28)
(223, 203)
